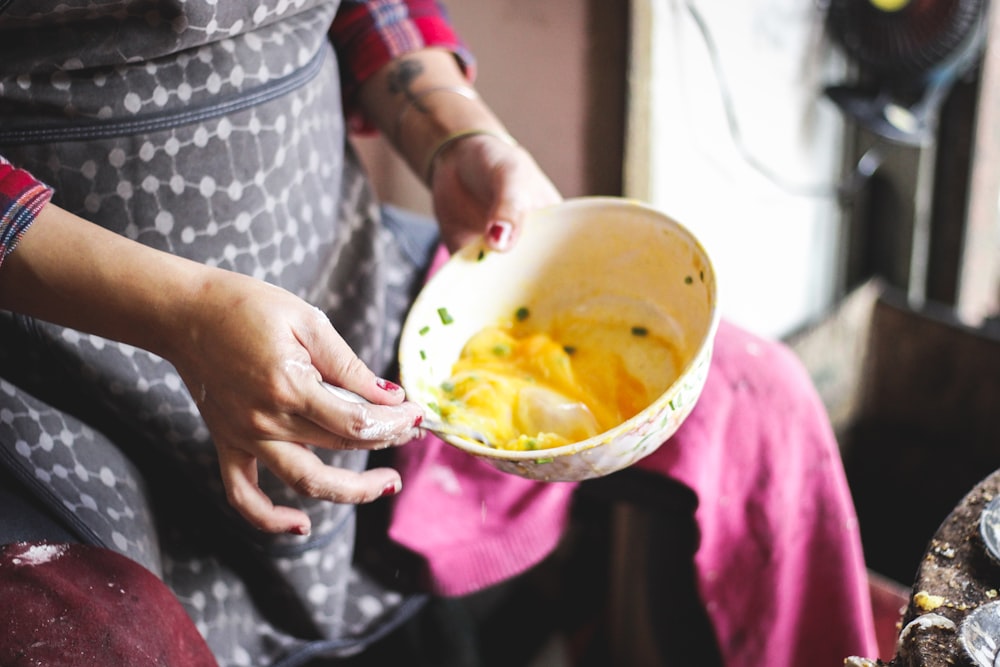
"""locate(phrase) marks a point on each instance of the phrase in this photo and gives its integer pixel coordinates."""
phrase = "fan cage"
(908, 42)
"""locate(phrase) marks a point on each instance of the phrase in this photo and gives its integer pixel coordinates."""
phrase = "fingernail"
(388, 385)
(299, 530)
(391, 489)
(418, 421)
(500, 233)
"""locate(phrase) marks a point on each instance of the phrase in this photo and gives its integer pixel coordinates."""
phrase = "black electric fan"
(909, 53)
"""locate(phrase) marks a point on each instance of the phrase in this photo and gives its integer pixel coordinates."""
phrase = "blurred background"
(721, 116)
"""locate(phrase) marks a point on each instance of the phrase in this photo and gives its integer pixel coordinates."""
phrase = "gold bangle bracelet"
(455, 136)
(414, 101)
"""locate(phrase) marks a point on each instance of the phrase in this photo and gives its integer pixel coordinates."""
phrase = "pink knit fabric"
(780, 566)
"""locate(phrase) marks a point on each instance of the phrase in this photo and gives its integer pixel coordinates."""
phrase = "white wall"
(775, 248)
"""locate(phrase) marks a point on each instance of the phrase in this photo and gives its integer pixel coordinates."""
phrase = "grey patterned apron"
(210, 130)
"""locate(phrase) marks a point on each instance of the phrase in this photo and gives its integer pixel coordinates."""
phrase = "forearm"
(420, 99)
(74, 273)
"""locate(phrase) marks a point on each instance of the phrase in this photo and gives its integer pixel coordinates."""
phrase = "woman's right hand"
(251, 354)
(254, 358)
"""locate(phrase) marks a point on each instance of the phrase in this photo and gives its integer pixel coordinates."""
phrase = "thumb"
(340, 366)
(506, 221)
(501, 235)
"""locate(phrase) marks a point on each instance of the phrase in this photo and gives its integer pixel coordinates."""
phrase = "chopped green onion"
(548, 460)
(569, 349)
(639, 331)
(448, 386)
(522, 313)
(423, 355)
(482, 254)
(445, 316)
(501, 350)
(688, 280)
(423, 331)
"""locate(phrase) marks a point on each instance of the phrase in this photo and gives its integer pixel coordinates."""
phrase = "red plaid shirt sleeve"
(367, 34)
(21, 197)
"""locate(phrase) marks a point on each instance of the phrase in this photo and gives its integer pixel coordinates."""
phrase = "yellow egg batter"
(528, 389)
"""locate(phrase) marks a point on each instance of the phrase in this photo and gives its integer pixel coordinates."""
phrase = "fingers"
(501, 236)
(485, 190)
(355, 426)
(239, 477)
(332, 357)
(522, 188)
(374, 415)
(304, 472)
(261, 421)
(346, 420)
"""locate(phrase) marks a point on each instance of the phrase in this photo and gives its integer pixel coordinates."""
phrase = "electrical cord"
(818, 191)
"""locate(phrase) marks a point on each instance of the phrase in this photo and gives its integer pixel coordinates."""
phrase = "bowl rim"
(701, 355)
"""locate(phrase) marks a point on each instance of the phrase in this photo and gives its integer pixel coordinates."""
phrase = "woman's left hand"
(483, 187)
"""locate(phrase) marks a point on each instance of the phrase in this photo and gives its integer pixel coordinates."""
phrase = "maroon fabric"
(73, 605)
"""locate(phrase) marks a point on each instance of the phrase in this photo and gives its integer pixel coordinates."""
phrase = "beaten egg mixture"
(527, 389)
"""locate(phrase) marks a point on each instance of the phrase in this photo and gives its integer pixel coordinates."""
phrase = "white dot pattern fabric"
(210, 130)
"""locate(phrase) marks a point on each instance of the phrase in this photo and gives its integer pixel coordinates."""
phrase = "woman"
(174, 298)
(190, 248)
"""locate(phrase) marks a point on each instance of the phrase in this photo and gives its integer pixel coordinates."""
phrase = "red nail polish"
(418, 421)
(499, 233)
(389, 490)
(299, 530)
(387, 385)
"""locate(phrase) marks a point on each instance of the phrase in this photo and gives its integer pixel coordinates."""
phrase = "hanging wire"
(819, 190)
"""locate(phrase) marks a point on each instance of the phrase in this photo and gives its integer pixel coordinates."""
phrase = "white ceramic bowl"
(604, 254)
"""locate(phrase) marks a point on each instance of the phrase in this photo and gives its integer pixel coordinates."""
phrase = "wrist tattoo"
(401, 80)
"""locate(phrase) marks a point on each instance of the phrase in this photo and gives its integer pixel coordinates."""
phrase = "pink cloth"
(780, 566)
